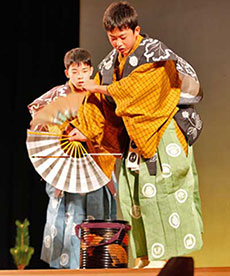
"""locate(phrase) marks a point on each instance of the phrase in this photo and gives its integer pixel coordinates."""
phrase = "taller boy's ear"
(137, 30)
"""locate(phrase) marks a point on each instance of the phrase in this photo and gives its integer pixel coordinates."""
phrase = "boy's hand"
(76, 135)
(90, 85)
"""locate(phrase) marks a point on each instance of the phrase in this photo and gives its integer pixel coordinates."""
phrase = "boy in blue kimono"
(61, 247)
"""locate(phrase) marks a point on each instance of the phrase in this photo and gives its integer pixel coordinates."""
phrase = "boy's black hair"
(120, 15)
(77, 55)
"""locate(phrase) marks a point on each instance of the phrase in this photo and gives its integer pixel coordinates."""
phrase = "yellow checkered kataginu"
(146, 101)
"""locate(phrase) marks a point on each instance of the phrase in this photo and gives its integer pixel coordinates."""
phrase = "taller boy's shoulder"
(152, 50)
(148, 51)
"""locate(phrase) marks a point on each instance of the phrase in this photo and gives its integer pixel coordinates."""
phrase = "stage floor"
(214, 271)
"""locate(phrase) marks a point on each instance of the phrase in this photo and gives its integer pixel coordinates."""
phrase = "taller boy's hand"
(76, 135)
(91, 86)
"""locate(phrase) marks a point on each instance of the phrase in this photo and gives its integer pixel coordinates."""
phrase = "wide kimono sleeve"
(97, 120)
(147, 101)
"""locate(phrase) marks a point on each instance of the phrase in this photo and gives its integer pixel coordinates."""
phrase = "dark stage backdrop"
(34, 38)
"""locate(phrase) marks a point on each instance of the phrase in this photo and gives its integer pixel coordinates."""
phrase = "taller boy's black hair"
(77, 55)
(120, 15)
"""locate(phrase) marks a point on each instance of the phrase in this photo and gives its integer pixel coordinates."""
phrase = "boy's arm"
(94, 87)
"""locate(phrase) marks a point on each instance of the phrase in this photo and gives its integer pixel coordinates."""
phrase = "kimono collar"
(136, 44)
(73, 88)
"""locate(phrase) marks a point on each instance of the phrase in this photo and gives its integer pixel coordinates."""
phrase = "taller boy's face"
(123, 40)
(79, 73)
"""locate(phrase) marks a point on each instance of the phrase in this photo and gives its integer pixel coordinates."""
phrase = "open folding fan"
(62, 163)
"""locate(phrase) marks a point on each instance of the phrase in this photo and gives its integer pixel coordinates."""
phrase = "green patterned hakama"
(163, 210)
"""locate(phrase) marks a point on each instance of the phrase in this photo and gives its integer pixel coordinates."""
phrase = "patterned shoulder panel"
(48, 97)
(108, 61)
(106, 67)
(155, 50)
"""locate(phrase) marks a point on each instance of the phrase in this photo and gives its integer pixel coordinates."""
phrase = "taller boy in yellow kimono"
(142, 106)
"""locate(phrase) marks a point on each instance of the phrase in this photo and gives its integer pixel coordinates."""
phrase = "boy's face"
(78, 74)
(123, 40)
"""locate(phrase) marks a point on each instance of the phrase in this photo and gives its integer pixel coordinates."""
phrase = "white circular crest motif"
(189, 241)
(185, 114)
(166, 170)
(158, 250)
(181, 195)
(73, 229)
(53, 230)
(174, 220)
(133, 61)
(149, 190)
(47, 241)
(135, 211)
(64, 259)
(173, 150)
